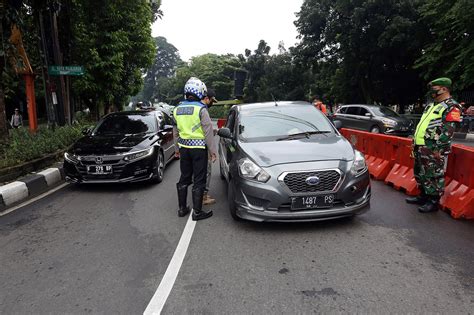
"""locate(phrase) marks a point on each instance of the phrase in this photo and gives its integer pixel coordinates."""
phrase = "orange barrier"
(221, 122)
(378, 150)
(458, 195)
(393, 153)
(401, 176)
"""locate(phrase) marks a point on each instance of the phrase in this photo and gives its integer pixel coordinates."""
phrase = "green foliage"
(366, 47)
(219, 111)
(450, 47)
(24, 146)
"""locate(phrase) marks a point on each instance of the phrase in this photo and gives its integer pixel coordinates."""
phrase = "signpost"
(66, 70)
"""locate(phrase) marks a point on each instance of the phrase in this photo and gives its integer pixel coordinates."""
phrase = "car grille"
(296, 182)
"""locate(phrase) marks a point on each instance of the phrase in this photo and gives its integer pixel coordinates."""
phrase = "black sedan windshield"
(275, 123)
(126, 124)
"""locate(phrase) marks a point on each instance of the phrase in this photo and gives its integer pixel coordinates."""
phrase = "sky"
(197, 27)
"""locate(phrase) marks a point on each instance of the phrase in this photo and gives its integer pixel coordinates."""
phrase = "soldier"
(432, 143)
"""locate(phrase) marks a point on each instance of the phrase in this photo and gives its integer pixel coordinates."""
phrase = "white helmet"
(195, 87)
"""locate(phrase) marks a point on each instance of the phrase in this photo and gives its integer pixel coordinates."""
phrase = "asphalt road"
(105, 249)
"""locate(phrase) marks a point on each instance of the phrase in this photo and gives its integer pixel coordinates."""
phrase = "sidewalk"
(464, 136)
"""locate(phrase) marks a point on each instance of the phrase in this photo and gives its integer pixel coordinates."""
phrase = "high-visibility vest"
(432, 117)
(188, 120)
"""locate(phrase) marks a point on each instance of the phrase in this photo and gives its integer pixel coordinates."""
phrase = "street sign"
(66, 70)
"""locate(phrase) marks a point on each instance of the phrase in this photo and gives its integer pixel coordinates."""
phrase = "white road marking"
(33, 200)
(161, 295)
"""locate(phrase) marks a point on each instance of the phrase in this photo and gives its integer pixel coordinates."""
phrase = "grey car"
(373, 118)
(285, 161)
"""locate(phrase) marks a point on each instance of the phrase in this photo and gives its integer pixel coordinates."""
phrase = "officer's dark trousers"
(193, 164)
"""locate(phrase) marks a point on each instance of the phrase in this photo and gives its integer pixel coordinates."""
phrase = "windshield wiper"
(305, 134)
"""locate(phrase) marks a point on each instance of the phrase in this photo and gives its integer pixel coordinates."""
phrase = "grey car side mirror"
(338, 124)
(224, 133)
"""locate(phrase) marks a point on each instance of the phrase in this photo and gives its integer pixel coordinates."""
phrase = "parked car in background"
(374, 118)
(123, 147)
(285, 161)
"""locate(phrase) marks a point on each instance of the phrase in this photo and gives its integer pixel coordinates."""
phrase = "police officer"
(209, 100)
(194, 136)
(432, 143)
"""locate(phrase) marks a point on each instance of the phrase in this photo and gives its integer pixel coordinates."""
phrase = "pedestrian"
(319, 104)
(432, 143)
(194, 136)
(16, 120)
(209, 100)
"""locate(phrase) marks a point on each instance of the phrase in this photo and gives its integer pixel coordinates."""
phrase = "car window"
(352, 110)
(272, 123)
(362, 111)
(385, 111)
(230, 121)
(125, 124)
(342, 110)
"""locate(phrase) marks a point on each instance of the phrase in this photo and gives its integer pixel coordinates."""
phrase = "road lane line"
(33, 200)
(161, 295)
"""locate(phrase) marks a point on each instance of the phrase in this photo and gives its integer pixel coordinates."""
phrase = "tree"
(450, 47)
(367, 48)
(113, 41)
(255, 65)
(164, 66)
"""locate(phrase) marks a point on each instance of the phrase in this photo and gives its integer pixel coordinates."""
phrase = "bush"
(24, 146)
(219, 111)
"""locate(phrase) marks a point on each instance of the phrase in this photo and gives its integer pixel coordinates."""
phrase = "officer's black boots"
(198, 214)
(431, 205)
(417, 200)
(182, 200)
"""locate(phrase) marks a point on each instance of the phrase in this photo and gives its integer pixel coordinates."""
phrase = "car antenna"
(276, 104)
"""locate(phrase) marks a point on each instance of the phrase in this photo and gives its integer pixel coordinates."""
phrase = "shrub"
(24, 146)
(219, 111)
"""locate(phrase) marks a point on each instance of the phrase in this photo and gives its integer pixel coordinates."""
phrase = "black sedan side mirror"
(224, 133)
(338, 124)
(86, 131)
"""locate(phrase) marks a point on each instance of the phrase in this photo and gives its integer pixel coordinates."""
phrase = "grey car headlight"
(358, 166)
(250, 170)
(72, 158)
(138, 154)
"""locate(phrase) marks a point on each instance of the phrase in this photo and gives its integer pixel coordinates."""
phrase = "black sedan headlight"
(137, 155)
(72, 158)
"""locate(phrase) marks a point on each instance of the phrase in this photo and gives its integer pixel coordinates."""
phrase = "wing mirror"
(368, 114)
(338, 124)
(168, 127)
(224, 133)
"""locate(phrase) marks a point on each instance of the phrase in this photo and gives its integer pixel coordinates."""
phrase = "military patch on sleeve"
(454, 115)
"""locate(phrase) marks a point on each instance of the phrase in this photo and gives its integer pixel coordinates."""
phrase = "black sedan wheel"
(159, 169)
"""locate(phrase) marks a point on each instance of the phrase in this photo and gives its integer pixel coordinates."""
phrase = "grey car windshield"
(126, 124)
(384, 111)
(269, 124)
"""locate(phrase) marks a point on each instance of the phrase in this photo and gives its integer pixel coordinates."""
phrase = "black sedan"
(123, 147)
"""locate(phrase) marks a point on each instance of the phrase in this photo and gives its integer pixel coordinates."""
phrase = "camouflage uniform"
(430, 158)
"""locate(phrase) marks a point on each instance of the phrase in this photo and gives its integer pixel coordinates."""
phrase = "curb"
(29, 187)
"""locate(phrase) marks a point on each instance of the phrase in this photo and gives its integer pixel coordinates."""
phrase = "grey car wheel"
(231, 202)
(375, 129)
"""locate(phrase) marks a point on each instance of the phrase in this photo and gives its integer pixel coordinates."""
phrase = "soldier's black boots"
(430, 206)
(417, 200)
(198, 214)
(183, 200)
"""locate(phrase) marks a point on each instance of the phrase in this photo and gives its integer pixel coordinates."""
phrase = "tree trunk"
(3, 115)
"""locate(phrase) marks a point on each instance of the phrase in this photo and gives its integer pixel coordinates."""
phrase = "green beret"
(446, 82)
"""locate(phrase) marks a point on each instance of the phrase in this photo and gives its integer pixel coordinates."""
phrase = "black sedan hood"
(318, 148)
(111, 144)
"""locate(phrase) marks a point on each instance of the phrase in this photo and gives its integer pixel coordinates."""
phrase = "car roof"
(366, 105)
(253, 106)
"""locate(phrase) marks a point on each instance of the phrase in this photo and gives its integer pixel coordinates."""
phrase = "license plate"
(100, 169)
(312, 202)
